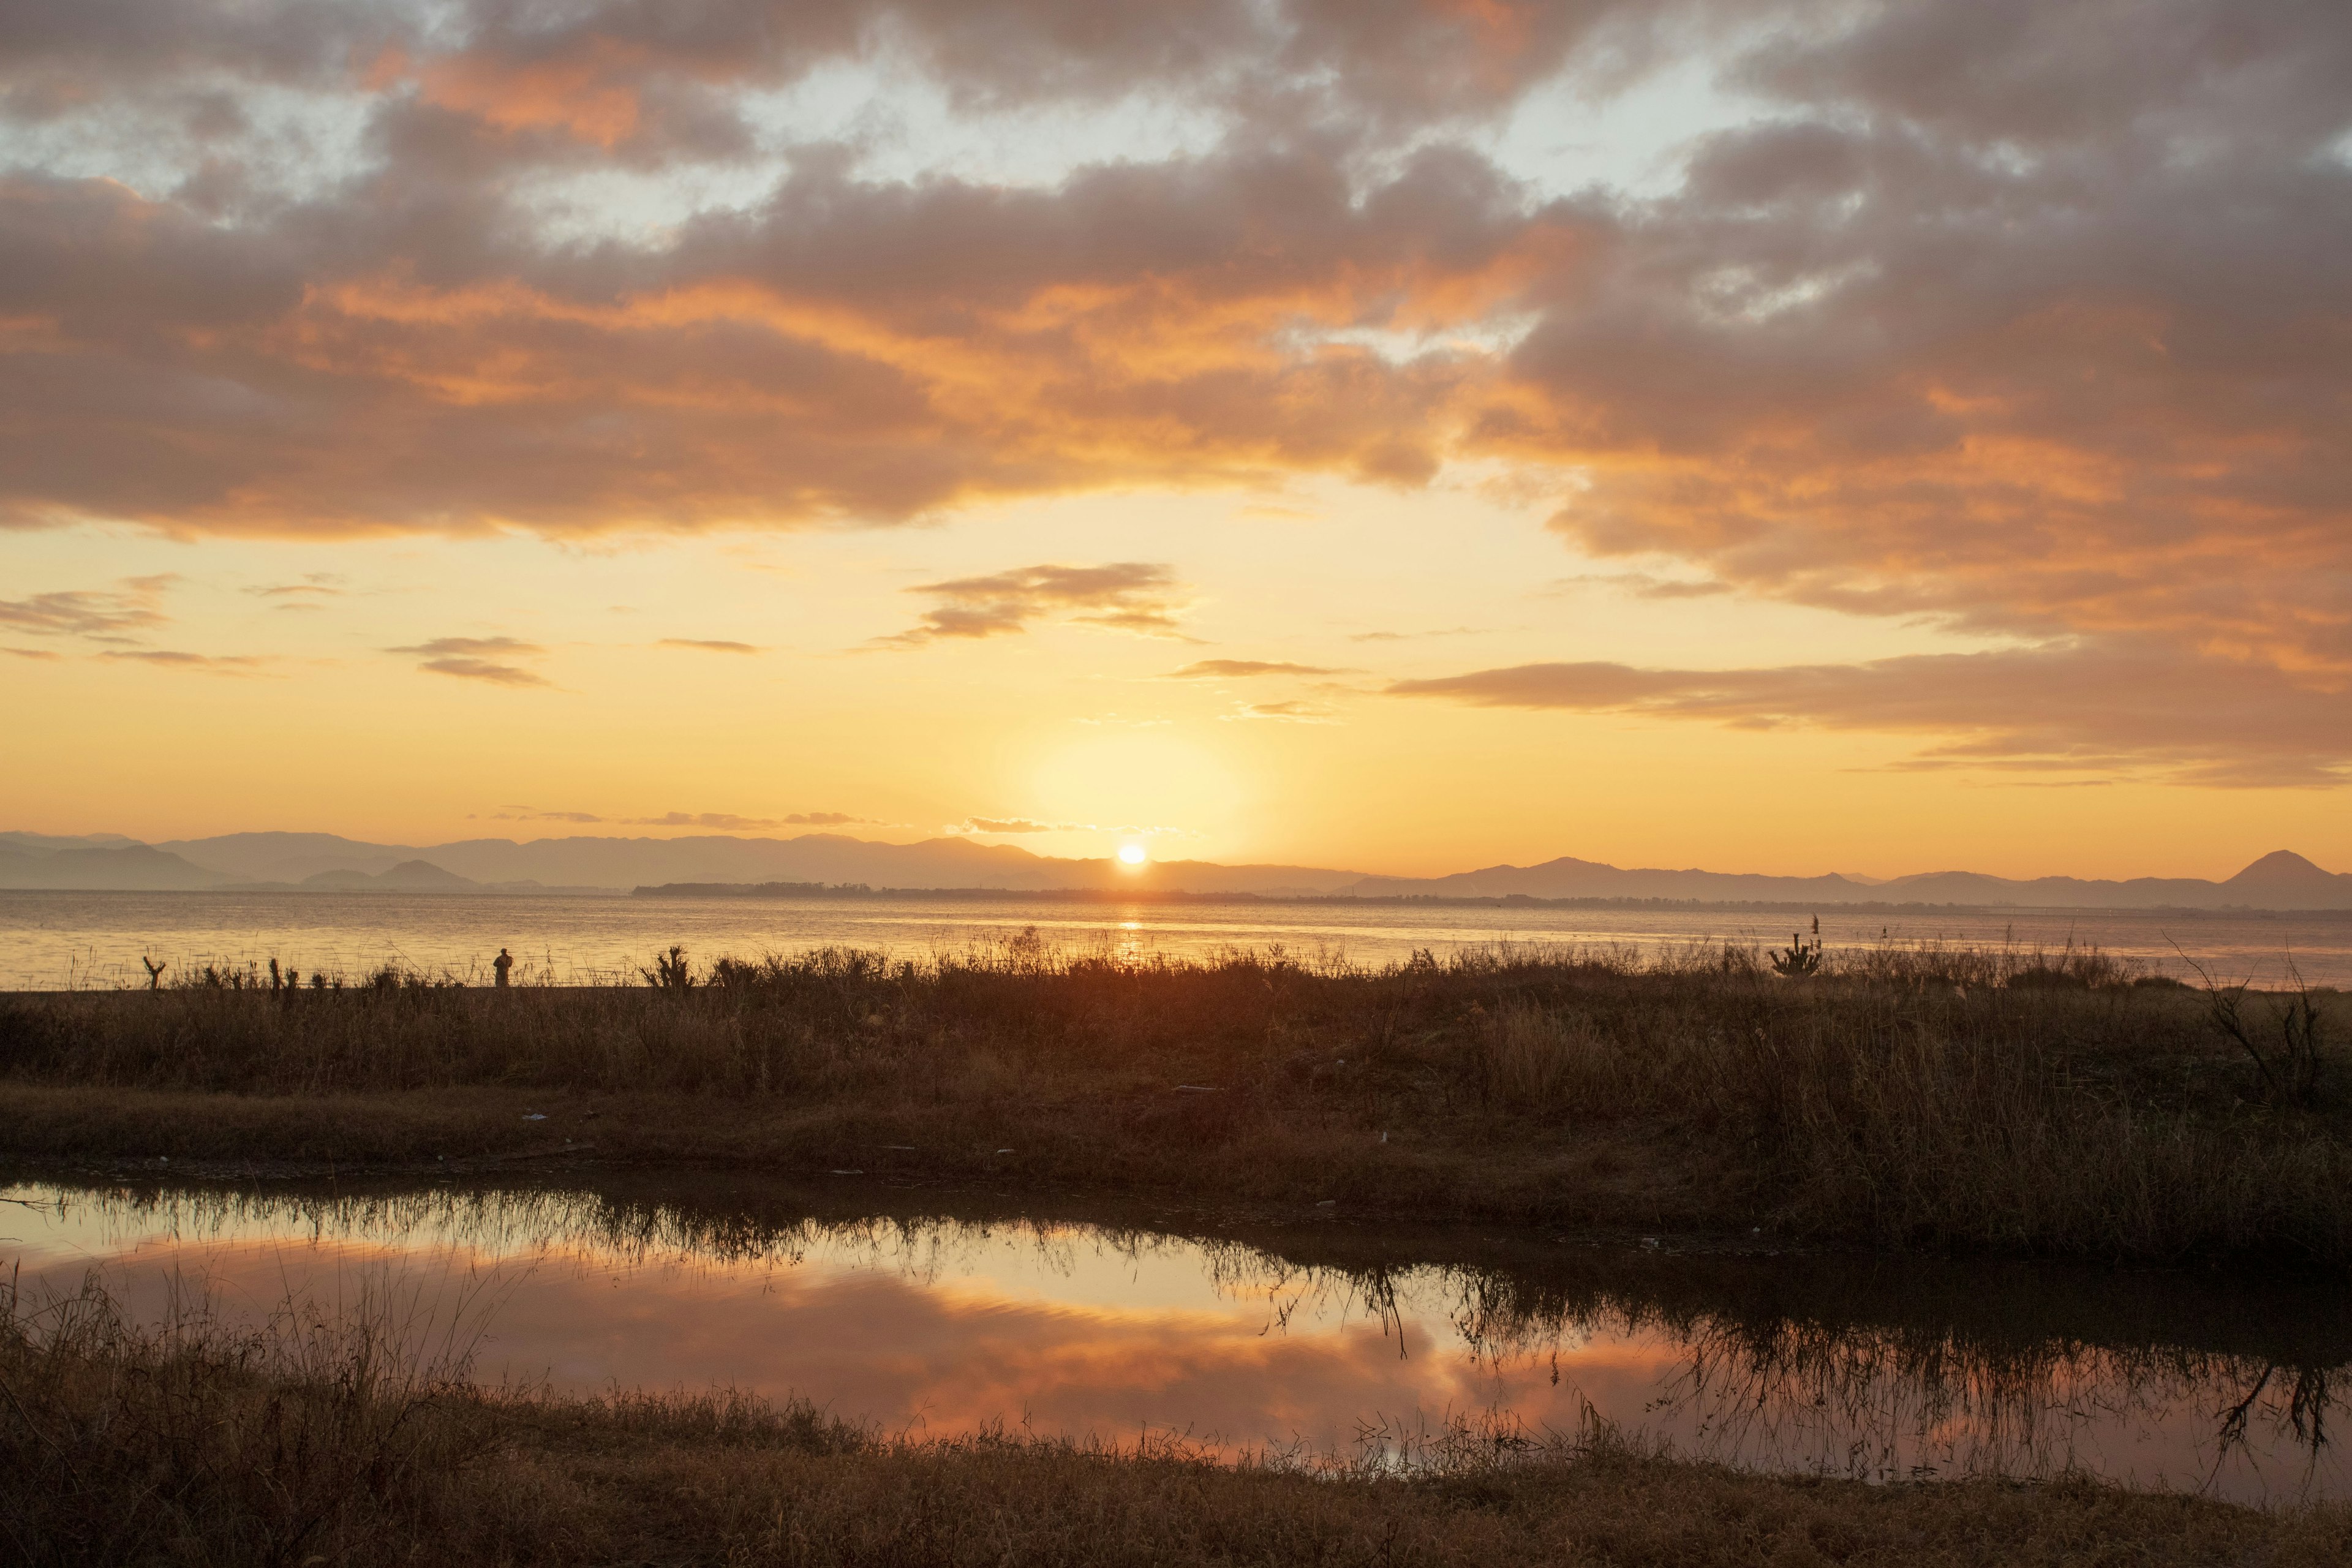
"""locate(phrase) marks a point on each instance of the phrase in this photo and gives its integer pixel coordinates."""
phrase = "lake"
(52, 940)
(933, 1314)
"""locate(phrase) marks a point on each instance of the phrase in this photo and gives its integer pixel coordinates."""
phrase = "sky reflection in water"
(943, 1325)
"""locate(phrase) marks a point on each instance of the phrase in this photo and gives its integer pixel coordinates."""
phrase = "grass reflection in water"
(1856, 1366)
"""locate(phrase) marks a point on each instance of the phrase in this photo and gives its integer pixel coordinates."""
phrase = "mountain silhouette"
(2282, 872)
(2279, 880)
(102, 868)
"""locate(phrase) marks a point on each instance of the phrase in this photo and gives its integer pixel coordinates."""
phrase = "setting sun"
(1131, 854)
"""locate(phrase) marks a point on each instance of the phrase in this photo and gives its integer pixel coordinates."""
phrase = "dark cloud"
(1127, 596)
(847, 350)
(643, 82)
(2025, 318)
(2145, 709)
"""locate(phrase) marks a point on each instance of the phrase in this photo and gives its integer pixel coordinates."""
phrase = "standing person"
(502, 962)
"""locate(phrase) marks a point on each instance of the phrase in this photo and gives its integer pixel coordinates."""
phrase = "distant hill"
(1571, 879)
(2280, 880)
(121, 866)
(596, 862)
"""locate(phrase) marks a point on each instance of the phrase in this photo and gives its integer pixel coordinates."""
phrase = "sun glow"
(1132, 853)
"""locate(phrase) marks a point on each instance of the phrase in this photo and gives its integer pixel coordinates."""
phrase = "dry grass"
(316, 1444)
(1904, 1098)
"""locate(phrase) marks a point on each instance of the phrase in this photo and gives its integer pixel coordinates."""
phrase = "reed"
(1898, 1096)
(309, 1444)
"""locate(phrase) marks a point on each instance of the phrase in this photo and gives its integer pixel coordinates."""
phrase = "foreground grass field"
(1899, 1098)
(315, 1443)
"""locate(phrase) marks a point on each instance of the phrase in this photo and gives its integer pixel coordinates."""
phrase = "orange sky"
(1403, 438)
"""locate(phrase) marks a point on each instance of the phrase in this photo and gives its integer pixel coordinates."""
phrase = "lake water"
(932, 1314)
(50, 941)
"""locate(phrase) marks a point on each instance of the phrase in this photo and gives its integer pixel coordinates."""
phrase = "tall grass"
(126, 1444)
(1901, 1096)
(120, 1442)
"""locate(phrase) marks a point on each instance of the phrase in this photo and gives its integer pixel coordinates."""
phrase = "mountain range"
(324, 861)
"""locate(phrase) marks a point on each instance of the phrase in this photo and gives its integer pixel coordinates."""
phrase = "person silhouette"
(502, 962)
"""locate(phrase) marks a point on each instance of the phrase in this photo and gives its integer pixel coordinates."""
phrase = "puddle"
(934, 1316)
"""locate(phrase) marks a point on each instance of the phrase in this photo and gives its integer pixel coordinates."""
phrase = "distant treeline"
(862, 890)
(1428, 900)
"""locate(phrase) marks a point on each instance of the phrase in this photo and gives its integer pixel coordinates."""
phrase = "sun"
(1132, 853)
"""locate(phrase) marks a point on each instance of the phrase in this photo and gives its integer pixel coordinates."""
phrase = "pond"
(931, 1314)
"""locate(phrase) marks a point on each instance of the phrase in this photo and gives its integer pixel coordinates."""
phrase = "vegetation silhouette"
(1918, 1097)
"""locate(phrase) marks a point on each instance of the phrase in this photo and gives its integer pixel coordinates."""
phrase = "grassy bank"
(1899, 1098)
(335, 1442)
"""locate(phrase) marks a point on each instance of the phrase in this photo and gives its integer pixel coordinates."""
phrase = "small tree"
(2289, 1068)
(1802, 958)
(670, 972)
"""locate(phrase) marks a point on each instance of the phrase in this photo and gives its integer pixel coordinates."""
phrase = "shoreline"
(373, 1434)
(335, 1452)
(1943, 1101)
(786, 892)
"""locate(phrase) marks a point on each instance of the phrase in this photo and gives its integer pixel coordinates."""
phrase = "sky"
(1398, 434)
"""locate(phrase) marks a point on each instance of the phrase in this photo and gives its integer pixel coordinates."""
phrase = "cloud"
(531, 814)
(730, 822)
(2029, 319)
(41, 653)
(485, 670)
(1643, 586)
(98, 614)
(708, 644)
(1237, 669)
(1014, 824)
(1129, 595)
(463, 658)
(1288, 712)
(2145, 711)
(1409, 636)
(443, 647)
(173, 659)
(302, 596)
